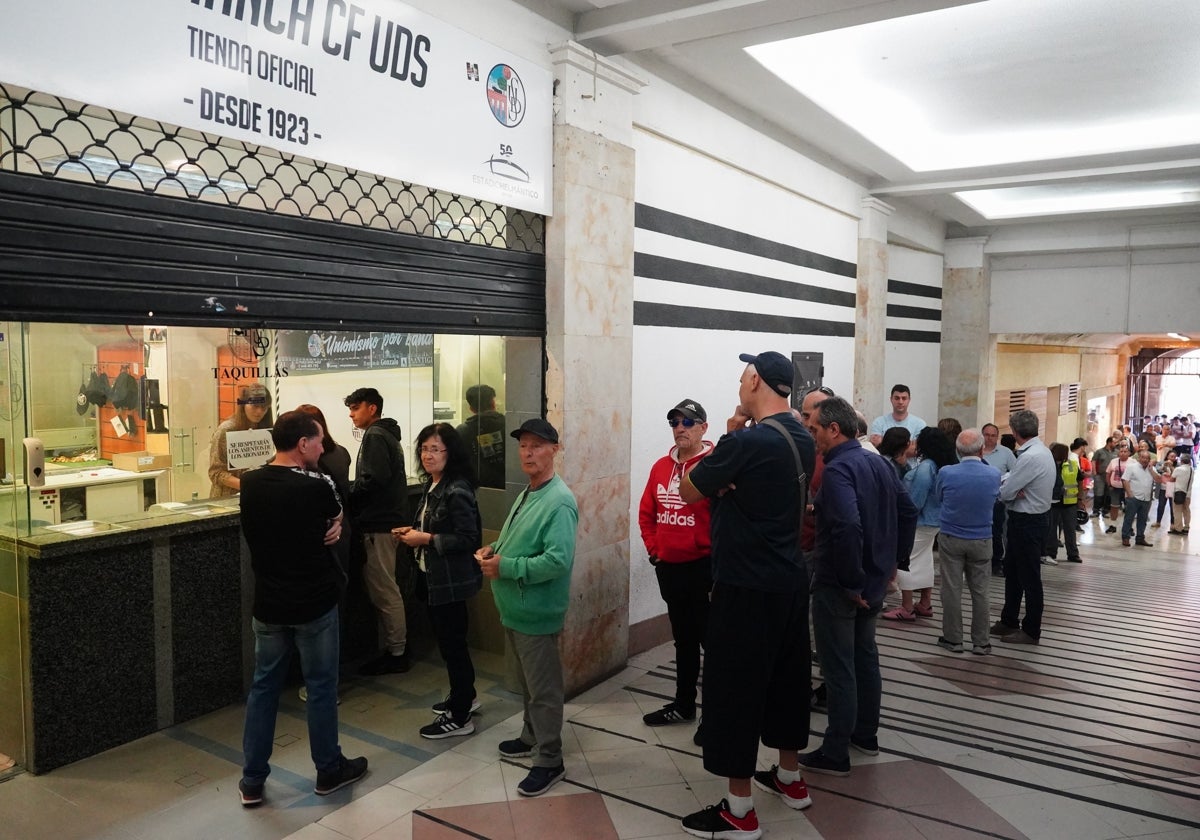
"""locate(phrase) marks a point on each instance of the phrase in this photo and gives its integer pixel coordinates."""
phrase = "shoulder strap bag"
(801, 476)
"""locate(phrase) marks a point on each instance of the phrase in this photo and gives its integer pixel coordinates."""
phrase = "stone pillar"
(870, 316)
(967, 386)
(589, 345)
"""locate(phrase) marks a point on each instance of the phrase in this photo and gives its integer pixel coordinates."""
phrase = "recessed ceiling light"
(1005, 81)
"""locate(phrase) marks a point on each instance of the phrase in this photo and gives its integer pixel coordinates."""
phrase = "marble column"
(870, 316)
(589, 344)
(967, 386)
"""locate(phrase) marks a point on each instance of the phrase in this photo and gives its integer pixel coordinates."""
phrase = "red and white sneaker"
(794, 794)
(716, 822)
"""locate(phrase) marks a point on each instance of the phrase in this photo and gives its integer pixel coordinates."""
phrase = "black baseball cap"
(691, 409)
(537, 426)
(773, 368)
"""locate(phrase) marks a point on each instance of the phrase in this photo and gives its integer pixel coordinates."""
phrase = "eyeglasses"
(687, 422)
(431, 450)
(824, 389)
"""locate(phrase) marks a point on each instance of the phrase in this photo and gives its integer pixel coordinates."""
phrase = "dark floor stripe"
(1040, 762)
(911, 813)
(1077, 797)
(457, 829)
(1007, 736)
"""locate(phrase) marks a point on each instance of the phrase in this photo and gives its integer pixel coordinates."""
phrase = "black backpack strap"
(801, 476)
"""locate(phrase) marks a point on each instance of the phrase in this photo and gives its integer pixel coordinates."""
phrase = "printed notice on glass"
(249, 449)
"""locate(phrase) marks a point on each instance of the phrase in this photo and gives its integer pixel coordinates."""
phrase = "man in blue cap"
(756, 656)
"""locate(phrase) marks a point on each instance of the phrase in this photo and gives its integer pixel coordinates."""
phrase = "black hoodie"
(379, 493)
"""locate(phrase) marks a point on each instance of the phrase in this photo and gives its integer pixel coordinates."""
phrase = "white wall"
(913, 363)
(771, 209)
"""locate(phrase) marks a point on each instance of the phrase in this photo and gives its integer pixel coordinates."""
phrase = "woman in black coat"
(445, 534)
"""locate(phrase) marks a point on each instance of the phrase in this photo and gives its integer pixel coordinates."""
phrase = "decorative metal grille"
(59, 138)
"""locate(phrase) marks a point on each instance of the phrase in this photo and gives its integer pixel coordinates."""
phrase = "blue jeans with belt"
(1138, 509)
(317, 643)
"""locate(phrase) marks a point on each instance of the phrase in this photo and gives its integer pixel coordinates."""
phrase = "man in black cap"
(529, 565)
(678, 543)
(756, 666)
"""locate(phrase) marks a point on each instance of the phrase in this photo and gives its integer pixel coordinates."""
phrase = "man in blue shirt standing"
(865, 528)
(756, 656)
(967, 491)
(1027, 492)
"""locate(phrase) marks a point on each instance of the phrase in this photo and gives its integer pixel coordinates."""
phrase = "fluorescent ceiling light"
(1017, 202)
(1005, 81)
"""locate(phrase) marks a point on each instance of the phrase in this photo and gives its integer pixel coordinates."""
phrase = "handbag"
(1180, 496)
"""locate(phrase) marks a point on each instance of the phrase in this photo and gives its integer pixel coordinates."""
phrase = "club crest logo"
(506, 96)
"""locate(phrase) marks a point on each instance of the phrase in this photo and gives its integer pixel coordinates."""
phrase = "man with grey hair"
(967, 491)
(1027, 493)
(865, 528)
(863, 437)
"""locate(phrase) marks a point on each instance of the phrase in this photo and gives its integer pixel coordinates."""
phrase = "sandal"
(898, 614)
(924, 612)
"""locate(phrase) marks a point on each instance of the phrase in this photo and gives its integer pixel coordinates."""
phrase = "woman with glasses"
(445, 534)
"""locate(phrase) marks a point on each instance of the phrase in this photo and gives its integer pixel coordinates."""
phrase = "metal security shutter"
(82, 253)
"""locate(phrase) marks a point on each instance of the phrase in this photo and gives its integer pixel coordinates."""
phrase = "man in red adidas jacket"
(679, 543)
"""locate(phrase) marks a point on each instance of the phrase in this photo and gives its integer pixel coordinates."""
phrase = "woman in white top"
(1184, 475)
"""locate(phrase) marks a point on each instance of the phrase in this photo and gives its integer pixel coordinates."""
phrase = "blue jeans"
(845, 637)
(1138, 509)
(317, 643)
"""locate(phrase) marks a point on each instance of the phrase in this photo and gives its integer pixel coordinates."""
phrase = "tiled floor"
(1093, 734)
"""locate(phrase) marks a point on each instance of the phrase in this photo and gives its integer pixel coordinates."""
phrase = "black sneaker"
(516, 748)
(866, 746)
(794, 794)
(447, 727)
(818, 762)
(540, 780)
(349, 771)
(386, 663)
(698, 738)
(668, 714)
(250, 794)
(443, 706)
(716, 822)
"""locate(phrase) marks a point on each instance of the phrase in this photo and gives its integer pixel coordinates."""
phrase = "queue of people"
(782, 537)
(298, 513)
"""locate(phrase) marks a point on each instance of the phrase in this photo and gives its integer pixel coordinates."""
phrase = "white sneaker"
(1049, 561)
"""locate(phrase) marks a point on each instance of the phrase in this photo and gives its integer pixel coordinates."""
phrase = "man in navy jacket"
(865, 528)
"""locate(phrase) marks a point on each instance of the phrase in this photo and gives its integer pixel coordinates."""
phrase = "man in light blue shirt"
(1003, 459)
(901, 397)
(1027, 492)
(967, 492)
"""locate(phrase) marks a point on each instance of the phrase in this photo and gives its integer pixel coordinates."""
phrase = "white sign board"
(368, 84)
(249, 449)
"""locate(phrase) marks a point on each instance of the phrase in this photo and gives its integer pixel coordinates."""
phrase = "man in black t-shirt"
(291, 518)
(756, 656)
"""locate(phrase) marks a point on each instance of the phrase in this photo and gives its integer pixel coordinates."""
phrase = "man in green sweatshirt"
(529, 565)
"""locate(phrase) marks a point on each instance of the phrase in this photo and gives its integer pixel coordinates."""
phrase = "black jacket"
(380, 490)
(452, 516)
